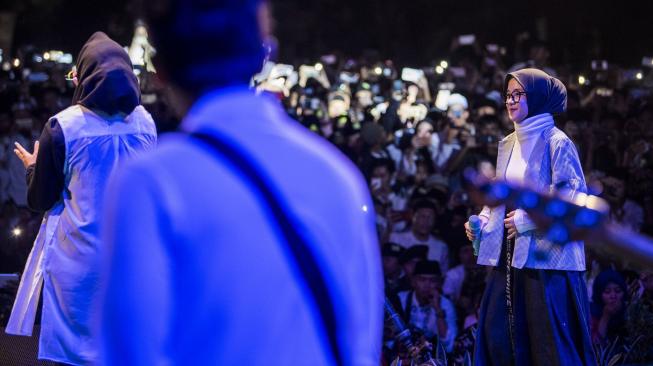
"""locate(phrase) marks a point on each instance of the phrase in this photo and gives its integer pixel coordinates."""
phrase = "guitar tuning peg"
(558, 233)
(556, 208)
(528, 200)
(587, 218)
(500, 191)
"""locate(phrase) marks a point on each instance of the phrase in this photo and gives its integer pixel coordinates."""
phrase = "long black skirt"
(550, 319)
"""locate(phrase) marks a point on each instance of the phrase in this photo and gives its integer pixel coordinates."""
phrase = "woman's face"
(421, 173)
(516, 102)
(424, 133)
(613, 296)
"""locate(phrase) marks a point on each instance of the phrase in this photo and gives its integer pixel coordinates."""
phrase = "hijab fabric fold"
(106, 79)
(544, 93)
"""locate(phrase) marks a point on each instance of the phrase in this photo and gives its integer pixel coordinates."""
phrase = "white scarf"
(528, 131)
(533, 126)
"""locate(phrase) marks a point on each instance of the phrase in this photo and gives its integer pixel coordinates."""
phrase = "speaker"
(21, 351)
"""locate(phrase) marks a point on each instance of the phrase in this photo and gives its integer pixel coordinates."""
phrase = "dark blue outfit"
(551, 328)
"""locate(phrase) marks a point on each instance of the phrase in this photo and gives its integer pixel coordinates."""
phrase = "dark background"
(409, 31)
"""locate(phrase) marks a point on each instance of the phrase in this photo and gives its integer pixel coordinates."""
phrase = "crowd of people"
(412, 132)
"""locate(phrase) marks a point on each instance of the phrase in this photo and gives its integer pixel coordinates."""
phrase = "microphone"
(475, 226)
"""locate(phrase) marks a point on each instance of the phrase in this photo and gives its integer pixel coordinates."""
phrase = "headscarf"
(106, 80)
(544, 93)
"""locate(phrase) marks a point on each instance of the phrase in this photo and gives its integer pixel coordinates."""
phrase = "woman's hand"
(24, 156)
(471, 235)
(509, 222)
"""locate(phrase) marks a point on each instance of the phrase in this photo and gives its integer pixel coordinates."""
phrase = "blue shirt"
(197, 273)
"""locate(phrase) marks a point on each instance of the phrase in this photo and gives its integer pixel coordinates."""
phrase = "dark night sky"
(411, 31)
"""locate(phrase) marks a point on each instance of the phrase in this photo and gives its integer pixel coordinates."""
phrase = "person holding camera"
(535, 308)
(67, 174)
(426, 308)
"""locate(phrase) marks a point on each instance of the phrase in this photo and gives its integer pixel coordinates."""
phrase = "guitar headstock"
(563, 216)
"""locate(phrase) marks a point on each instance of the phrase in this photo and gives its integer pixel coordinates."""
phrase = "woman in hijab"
(66, 174)
(608, 307)
(535, 309)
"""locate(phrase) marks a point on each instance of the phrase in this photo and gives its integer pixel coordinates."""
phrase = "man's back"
(199, 271)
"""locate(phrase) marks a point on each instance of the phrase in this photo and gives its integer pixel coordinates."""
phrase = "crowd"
(412, 132)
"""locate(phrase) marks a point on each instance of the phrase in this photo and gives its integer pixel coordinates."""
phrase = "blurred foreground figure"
(66, 175)
(245, 239)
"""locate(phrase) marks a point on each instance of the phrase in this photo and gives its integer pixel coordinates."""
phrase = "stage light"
(639, 76)
(439, 69)
(318, 66)
(16, 231)
(46, 55)
(581, 80)
(16, 62)
(378, 70)
(364, 208)
(444, 64)
(6, 66)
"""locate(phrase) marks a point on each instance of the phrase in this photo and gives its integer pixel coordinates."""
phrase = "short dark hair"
(380, 162)
(205, 44)
(427, 267)
(424, 203)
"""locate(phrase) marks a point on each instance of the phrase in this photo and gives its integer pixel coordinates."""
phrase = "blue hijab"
(544, 93)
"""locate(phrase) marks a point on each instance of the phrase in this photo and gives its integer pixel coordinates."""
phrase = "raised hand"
(24, 156)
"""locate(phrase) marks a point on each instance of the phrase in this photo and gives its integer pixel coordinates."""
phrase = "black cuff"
(29, 172)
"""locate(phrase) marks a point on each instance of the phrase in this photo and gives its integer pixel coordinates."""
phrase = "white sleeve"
(485, 214)
(523, 223)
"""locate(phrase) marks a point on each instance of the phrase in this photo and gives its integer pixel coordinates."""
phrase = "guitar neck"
(625, 244)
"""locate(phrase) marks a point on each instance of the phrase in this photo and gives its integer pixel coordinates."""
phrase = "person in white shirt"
(423, 222)
(426, 308)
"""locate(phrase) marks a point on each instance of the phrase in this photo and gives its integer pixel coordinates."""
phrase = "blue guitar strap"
(297, 244)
